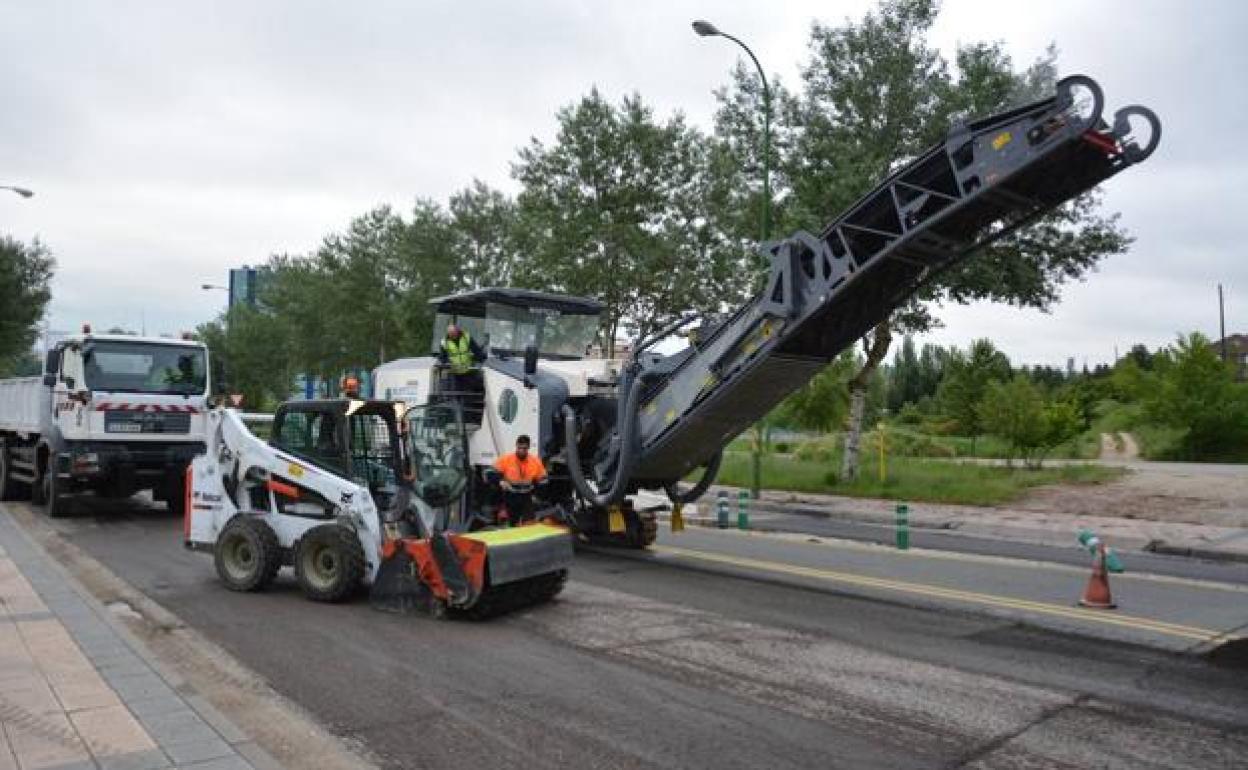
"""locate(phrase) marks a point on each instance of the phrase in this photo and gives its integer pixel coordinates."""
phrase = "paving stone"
(144, 708)
(153, 759)
(224, 763)
(215, 719)
(197, 751)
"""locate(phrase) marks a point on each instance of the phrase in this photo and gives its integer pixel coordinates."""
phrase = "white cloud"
(169, 142)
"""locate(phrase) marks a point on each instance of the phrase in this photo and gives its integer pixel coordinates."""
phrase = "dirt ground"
(1191, 493)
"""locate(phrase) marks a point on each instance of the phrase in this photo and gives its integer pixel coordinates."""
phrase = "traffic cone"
(678, 518)
(1097, 595)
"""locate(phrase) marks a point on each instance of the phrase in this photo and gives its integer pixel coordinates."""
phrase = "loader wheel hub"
(321, 566)
(240, 557)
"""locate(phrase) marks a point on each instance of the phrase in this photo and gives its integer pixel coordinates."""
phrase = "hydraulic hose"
(627, 454)
(708, 477)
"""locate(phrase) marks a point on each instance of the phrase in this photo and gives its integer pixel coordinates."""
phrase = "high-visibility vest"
(459, 353)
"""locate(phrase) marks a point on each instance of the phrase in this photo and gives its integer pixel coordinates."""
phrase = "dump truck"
(609, 428)
(111, 414)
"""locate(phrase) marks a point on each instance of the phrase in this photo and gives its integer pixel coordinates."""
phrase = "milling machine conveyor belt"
(986, 179)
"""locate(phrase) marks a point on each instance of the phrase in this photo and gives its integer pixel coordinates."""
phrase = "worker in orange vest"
(520, 472)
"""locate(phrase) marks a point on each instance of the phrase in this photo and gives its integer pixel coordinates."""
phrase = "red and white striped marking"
(109, 406)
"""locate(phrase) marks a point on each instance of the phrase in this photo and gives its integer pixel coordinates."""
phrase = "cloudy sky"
(167, 142)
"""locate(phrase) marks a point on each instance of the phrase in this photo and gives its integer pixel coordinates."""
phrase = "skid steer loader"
(352, 493)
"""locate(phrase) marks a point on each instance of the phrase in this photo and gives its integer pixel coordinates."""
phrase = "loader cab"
(437, 448)
(511, 321)
(355, 439)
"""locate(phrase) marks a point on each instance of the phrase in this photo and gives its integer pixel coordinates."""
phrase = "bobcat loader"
(355, 493)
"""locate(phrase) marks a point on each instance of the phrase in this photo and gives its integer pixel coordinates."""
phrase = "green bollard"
(903, 527)
(743, 510)
(721, 510)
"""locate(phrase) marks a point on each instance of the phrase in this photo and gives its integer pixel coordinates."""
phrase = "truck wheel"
(329, 563)
(55, 503)
(10, 488)
(247, 554)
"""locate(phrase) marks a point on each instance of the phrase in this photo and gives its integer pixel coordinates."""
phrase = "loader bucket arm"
(984, 180)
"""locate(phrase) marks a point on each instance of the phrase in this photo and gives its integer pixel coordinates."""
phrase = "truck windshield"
(138, 367)
(511, 329)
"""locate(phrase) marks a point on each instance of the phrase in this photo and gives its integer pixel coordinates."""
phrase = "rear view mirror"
(52, 364)
(530, 359)
(49, 380)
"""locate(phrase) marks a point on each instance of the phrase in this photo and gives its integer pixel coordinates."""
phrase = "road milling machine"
(608, 428)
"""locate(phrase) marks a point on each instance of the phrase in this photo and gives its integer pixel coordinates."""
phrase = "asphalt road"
(795, 519)
(664, 662)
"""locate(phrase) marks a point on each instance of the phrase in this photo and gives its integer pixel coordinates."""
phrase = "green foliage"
(966, 380)
(1018, 412)
(1195, 391)
(247, 358)
(613, 209)
(25, 275)
(938, 481)
(823, 402)
(24, 364)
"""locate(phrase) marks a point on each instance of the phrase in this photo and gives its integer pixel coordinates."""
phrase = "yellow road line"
(970, 597)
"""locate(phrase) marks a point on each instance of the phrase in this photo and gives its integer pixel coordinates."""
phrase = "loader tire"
(329, 563)
(247, 554)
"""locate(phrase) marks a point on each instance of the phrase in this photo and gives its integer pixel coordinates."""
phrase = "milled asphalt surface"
(656, 662)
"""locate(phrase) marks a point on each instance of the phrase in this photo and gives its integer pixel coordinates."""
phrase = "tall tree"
(25, 275)
(875, 94)
(967, 377)
(483, 222)
(247, 357)
(1195, 391)
(612, 209)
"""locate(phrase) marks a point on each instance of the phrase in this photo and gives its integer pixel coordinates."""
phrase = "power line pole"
(1222, 322)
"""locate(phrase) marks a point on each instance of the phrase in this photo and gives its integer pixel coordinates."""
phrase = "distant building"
(245, 284)
(1236, 353)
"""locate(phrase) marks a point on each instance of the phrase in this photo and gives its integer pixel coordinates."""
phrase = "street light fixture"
(706, 29)
(211, 286)
(22, 191)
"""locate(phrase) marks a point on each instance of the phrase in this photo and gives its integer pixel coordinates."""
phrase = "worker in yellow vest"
(460, 353)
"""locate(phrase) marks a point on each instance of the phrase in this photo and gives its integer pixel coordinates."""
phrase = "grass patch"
(935, 481)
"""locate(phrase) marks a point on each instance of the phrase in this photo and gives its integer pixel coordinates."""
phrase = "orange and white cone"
(1097, 595)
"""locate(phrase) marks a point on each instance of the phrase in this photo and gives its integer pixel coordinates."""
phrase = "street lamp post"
(225, 379)
(707, 29)
(22, 191)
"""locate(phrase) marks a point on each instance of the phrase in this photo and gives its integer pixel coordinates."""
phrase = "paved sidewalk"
(78, 691)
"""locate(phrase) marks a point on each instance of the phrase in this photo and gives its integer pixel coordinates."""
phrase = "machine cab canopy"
(510, 320)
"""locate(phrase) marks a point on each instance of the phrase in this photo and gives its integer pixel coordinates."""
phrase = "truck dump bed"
(19, 404)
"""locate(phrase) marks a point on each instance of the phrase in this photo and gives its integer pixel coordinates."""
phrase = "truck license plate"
(123, 427)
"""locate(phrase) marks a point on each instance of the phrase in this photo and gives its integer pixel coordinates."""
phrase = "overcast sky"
(168, 142)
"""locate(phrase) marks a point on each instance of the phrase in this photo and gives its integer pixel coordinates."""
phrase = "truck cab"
(112, 414)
